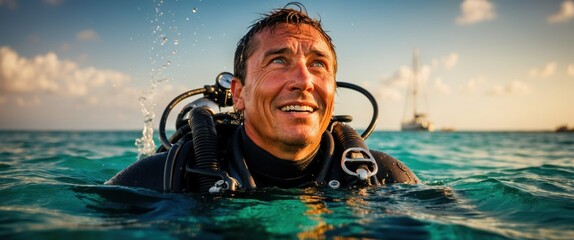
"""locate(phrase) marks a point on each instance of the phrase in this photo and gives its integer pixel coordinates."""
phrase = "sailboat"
(419, 121)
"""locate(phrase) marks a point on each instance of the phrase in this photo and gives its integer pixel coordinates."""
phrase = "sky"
(110, 65)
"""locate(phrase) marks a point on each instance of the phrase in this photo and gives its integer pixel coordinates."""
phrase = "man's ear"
(236, 91)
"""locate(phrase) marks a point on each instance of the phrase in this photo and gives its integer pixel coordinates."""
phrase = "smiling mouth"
(297, 108)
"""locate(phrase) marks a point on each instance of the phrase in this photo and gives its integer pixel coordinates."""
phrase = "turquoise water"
(479, 185)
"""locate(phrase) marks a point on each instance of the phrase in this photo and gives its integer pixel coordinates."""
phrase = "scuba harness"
(194, 153)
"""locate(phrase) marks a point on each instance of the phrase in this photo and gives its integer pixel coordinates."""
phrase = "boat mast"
(415, 79)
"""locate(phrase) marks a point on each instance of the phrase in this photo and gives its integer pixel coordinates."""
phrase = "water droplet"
(176, 42)
(187, 19)
(194, 10)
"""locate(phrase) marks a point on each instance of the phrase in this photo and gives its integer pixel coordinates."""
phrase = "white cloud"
(400, 78)
(28, 102)
(424, 74)
(82, 97)
(441, 87)
(389, 93)
(87, 35)
(451, 60)
(474, 11)
(570, 70)
(512, 88)
(47, 74)
(395, 85)
(473, 84)
(566, 13)
(545, 72)
(448, 62)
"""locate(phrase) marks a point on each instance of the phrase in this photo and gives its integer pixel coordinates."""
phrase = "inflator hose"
(347, 137)
(204, 145)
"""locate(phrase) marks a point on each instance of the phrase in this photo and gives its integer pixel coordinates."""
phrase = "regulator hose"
(204, 145)
(373, 101)
(162, 136)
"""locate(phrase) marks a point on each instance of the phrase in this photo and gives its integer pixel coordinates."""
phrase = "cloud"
(448, 62)
(389, 93)
(545, 72)
(13, 4)
(566, 13)
(400, 78)
(474, 83)
(474, 11)
(451, 60)
(10, 4)
(395, 85)
(87, 35)
(512, 88)
(570, 70)
(27, 102)
(47, 74)
(441, 87)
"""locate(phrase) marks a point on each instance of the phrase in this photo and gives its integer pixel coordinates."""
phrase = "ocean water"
(478, 185)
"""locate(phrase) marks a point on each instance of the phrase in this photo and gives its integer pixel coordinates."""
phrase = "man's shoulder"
(147, 173)
(392, 170)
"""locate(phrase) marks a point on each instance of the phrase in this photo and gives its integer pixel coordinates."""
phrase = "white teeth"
(297, 108)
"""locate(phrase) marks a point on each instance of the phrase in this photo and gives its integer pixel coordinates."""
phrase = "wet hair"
(288, 15)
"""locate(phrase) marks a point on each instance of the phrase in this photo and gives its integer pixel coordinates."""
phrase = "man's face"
(289, 89)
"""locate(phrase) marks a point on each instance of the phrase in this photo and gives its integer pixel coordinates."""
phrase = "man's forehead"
(281, 34)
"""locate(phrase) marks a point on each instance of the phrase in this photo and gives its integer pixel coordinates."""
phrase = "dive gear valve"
(362, 160)
(222, 185)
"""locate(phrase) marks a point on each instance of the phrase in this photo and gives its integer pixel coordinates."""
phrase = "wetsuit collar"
(269, 170)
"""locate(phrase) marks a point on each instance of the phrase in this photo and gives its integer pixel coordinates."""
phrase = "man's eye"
(278, 60)
(319, 64)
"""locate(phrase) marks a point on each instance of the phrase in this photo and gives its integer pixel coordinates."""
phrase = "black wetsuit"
(266, 170)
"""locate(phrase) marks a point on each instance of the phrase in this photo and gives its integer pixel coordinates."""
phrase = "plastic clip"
(359, 156)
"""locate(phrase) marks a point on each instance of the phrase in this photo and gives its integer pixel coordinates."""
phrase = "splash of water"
(145, 144)
(163, 60)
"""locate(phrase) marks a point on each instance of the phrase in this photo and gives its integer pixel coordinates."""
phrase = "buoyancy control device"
(196, 140)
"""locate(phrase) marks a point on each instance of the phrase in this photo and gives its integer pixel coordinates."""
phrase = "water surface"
(491, 185)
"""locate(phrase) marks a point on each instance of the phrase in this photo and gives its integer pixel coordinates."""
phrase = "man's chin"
(302, 137)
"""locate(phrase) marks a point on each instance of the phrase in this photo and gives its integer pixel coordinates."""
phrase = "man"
(283, 86)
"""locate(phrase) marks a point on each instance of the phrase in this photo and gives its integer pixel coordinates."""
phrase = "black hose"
(239, 163)
(162, 136)
(328, 148)
(204, 145)
(375, 117)
(347, 137)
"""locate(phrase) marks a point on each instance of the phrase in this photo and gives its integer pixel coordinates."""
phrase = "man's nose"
(301, 79)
